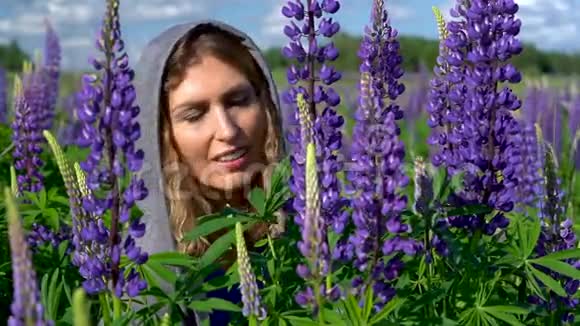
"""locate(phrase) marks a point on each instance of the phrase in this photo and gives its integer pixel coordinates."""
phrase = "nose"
(227, 128)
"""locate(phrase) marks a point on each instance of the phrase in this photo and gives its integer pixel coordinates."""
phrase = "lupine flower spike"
(249, 288)
(26, 306)
(556, 235)
(376, 175)
(484, 133)
(107, 116)
(27, 132)
(317, 91)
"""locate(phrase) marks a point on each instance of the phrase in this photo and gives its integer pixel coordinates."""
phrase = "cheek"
(193, 146)
(255, 125)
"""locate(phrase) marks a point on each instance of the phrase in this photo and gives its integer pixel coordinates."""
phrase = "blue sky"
(550, 24)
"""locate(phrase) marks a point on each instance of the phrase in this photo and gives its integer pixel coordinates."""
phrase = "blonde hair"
(184, 195)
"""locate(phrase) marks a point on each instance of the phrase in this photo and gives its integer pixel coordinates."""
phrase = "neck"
(235, 198)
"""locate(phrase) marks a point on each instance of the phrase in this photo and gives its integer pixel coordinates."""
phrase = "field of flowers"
(446, 197)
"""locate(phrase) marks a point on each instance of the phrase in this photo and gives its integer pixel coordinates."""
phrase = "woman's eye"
(192, 116)
(242, 100)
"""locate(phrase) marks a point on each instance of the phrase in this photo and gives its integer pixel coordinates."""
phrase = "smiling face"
(215, 110)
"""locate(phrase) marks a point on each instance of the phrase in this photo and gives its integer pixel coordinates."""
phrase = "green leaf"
(564, 254)
(54, 220)
(508, 309)
(549, 282)
(353, 310)
(505, 313)
(214, 225)
(172, 258)
(257, 198)
(391, 306)
(300, 321)
(211, 304)
(161, 271)
(558, 266)
(368, 306)
(220, 246)
(533, 235)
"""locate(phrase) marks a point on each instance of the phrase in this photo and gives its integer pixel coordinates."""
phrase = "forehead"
(210, 75)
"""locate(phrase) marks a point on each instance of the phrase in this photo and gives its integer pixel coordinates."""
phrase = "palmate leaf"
(210, 304)
(220, 246)
(552, 284)
(505, 313)
(257, 198)
(214, 225)
(394, 304)
(558, 267)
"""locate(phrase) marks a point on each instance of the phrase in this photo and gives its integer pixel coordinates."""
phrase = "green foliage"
(12, 56)
(418, 51)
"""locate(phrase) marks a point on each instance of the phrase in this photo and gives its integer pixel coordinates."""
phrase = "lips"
(228, 152)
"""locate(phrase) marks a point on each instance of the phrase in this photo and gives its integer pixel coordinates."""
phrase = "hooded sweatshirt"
(148, 82)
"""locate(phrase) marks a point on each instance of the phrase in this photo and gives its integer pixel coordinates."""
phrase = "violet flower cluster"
(40, 235)
(26, 307)
(27, 133)
(35, 100)
(109, 129)
(557, 234)
(531, 184)
(69, 131)
(51, 68)
(477, 111)
(3, 96)
(376, 173)
(308, 23)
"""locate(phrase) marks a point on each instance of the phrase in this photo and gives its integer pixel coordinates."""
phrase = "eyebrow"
(233, 91)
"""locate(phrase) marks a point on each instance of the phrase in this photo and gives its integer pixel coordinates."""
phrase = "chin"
(233, 181)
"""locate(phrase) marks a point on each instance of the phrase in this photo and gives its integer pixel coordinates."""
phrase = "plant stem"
(319, 301)
(253, 321)
(272, 247)
(105, 307)
(116, 308)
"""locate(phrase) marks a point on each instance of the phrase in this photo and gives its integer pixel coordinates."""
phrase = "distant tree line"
(12, 56)
(419, 51)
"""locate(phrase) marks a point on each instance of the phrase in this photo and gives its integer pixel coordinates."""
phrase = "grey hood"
(148, 79)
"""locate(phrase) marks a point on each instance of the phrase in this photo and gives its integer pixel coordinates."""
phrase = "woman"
(211, 130)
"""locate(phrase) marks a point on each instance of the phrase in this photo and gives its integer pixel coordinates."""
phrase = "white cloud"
(76, 42)
(274, 21)
(146, 10)
(70, 12)
(25, 24)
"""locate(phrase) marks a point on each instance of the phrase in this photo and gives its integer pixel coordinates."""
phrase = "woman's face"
(218, 124)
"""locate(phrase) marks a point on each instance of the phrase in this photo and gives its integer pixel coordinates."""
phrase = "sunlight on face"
(213, 110)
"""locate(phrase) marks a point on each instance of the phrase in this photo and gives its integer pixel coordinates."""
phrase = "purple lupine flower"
(484, 134)
(51, 68)
(376, 173)
(531, 184)
(27, 133)
(327, 136)
(26, 306)
(69, 131)
(40, 235)
(3, 96)
(108, 128)
(556, 235)
(574, 125)
(418, 97)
